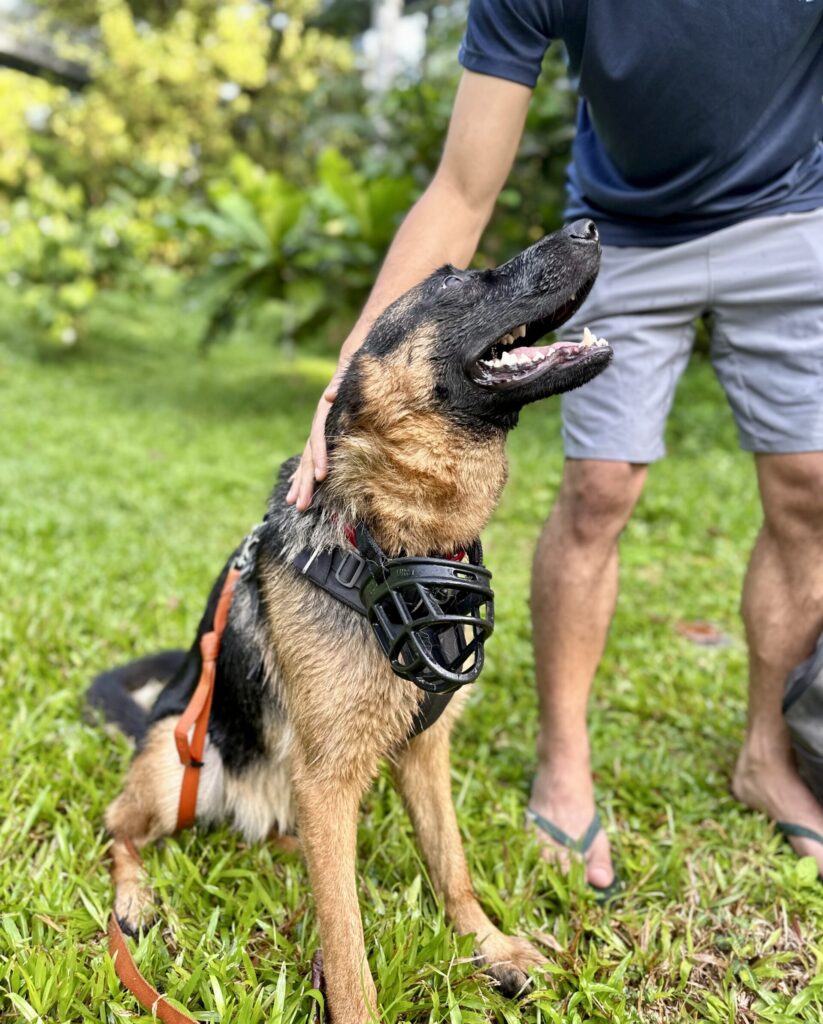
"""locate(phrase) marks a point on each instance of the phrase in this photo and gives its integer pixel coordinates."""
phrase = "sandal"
(604, 893)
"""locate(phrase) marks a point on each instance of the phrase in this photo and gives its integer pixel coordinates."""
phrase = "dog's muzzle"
(431, 616)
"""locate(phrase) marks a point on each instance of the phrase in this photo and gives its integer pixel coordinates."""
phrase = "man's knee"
(597, 498)
(791, 488)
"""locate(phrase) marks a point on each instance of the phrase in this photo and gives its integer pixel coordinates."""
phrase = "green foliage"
(307, 255)
(232, 147)
(129, 473)
(57, 252)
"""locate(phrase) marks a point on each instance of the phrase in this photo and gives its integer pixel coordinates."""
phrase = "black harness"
(431, 616)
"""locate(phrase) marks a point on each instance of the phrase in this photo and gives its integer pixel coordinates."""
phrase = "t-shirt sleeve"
(508, 38)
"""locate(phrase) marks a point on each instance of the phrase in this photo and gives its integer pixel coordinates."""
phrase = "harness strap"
(338, 572)
(190, 751)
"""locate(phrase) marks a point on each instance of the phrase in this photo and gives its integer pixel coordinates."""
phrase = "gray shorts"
(761, 281)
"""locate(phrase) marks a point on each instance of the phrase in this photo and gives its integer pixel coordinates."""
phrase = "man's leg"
(767, 349)
(783, 613)
(574, 590)
(612, 428)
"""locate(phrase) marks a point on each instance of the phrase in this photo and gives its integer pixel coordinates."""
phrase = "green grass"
(127, 472)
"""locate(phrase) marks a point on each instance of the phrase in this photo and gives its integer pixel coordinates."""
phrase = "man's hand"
(314, 462)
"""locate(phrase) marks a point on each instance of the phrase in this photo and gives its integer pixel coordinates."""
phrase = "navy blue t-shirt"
(694, 114)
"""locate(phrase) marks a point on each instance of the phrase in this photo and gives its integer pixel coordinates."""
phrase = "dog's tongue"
(536, 352)
(556, 349)
(529, 352)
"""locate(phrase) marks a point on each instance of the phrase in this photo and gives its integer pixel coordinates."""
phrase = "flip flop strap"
(580, 845)
(788, 829)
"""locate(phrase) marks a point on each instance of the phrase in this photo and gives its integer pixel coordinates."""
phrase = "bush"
(236, 149)
(306, 255)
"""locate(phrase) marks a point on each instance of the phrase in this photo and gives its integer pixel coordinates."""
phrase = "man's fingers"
(317, 441)
(306, 491)
(305, 482)
(334, 384)
(297, 476)
(314, 462)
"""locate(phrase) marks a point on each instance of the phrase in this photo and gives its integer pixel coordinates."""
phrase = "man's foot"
(774, 787)
(566, 798)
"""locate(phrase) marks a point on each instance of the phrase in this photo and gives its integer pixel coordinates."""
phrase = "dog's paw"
(508, 960)
(135, 911)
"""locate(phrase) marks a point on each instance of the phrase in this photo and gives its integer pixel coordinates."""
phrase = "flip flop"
(582, 846)
(788, 828)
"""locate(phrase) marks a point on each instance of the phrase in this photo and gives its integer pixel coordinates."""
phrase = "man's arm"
(444, 226)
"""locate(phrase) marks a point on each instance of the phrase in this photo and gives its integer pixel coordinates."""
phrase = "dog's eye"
(452, 281)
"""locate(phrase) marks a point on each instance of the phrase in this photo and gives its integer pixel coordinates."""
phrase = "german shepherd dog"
(305, 703)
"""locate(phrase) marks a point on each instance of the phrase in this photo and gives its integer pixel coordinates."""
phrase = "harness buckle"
(346, 576)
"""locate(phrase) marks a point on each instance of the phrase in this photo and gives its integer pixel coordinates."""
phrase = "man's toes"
(599, 875)
(599, 870)
(807, 848)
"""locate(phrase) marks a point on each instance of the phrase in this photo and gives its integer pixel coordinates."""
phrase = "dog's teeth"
(588, 338)
(507, 339)
(574, 296)
(520, 332)
(507, 359)
(601, 341)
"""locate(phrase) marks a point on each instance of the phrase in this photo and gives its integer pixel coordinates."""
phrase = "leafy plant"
(279, 247)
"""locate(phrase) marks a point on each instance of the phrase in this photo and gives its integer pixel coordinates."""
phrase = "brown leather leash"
(129, 975)
(199, 707)
(190, 752)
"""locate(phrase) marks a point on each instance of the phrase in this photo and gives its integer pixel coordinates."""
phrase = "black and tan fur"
(305, 704)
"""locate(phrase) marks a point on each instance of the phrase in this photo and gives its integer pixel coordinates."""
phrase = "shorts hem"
(786, 446)
(612, 455)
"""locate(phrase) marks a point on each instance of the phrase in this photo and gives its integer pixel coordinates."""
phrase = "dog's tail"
(115, 692)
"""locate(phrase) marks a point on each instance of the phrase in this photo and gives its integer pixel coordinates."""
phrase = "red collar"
(351, 537)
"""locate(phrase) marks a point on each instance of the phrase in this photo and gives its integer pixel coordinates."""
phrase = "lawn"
(128, 471)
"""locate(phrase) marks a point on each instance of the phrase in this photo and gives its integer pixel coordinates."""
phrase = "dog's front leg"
(327, 809)
(422, 774)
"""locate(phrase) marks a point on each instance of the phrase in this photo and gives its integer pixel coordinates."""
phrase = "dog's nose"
(582, 231)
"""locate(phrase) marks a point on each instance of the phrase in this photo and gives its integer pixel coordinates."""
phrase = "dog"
(305, 702)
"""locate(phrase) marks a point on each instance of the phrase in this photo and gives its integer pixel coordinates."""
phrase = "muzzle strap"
(339, 572)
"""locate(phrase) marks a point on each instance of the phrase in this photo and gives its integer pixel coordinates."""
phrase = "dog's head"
(444, 372)
(470, 338)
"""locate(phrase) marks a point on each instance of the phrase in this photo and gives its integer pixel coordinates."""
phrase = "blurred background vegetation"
(237, 155)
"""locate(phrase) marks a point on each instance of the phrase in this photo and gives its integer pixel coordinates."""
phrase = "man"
(698, 153)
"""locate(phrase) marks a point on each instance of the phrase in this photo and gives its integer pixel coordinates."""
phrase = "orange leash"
(190, 753)
(199, 707)
(134, 981)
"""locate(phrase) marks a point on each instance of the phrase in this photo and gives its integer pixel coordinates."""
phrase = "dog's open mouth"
(512, 359)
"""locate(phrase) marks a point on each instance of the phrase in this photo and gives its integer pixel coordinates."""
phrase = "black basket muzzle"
(431, 616)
